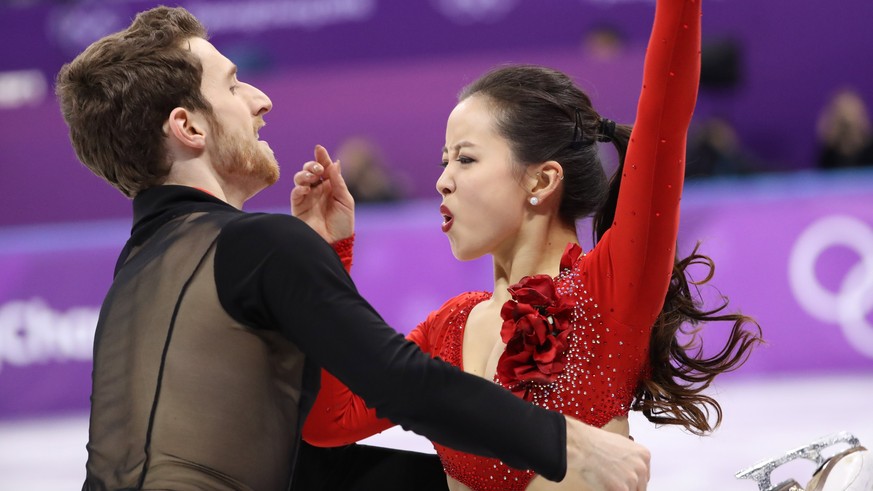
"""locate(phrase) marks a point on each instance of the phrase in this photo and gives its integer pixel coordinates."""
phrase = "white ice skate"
(849, 470)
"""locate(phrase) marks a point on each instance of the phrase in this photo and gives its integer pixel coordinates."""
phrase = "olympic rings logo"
(849, 306)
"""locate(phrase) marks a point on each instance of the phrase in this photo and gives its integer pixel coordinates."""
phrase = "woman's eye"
(444, 163)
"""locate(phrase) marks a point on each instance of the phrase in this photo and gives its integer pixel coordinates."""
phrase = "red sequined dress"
(614, 293)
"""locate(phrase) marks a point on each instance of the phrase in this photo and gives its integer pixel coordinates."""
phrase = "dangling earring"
(534, 200)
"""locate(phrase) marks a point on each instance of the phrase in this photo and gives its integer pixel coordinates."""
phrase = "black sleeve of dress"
(274, 272)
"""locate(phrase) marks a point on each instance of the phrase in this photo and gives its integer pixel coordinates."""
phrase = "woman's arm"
(637, 252)
(339, 417)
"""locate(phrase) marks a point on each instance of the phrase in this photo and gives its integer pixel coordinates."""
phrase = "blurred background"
(780, 192)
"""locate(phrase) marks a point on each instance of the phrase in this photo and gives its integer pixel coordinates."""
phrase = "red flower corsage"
(536, 324)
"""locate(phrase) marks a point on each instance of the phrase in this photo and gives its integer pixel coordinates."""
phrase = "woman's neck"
(536, 250)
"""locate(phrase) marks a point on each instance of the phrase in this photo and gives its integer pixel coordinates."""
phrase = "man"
(210, 340)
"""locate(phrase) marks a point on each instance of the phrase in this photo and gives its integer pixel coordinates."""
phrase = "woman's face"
(483, 199)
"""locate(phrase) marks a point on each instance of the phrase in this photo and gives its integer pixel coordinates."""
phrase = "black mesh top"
(209, 345)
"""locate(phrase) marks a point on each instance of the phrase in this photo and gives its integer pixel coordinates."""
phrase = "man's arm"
(274, 272)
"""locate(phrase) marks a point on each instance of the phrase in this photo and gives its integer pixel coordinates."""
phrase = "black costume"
(209, 346)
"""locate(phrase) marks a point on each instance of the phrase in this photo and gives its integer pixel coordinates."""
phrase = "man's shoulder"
(265, 222)
(261, 231)
(266, 225)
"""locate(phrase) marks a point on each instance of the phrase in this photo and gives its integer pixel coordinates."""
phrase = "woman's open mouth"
(448, 219)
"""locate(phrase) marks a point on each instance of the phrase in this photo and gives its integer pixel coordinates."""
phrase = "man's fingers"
(643, 470)
(647, 461)
(648, 475)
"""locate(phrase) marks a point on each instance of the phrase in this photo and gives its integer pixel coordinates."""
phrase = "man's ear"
(545, 179)
(186, 128)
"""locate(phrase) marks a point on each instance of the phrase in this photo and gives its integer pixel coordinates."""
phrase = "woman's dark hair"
(540, 111)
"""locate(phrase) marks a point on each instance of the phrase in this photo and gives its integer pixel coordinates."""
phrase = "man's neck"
(196, 174)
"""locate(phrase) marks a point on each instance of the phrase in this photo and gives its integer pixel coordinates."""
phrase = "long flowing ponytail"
(679, 371)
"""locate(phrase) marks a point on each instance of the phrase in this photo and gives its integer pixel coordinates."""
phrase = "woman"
(589, 335)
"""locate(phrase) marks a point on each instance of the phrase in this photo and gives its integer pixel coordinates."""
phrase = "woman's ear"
(546, 180)
(186, 128)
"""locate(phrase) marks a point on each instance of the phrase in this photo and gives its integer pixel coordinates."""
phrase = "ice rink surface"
(763, 418)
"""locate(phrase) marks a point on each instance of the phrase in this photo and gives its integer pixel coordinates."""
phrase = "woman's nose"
(444, 184)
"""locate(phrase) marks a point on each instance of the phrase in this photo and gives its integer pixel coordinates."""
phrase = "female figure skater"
(589, 335)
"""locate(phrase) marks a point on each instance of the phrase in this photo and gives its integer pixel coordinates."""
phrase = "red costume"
(578, 343)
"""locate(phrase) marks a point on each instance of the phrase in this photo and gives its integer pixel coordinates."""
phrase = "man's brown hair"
(116, 95)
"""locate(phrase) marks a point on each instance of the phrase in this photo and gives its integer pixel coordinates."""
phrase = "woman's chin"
(464, 254)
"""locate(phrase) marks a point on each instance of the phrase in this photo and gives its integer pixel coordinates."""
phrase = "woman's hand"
(321, 199)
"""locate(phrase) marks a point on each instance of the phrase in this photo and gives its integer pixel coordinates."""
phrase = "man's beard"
(244, 158)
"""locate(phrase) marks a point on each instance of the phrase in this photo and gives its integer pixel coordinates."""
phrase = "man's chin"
(272, 179)
(254, 165)
(271, 171)
(263, 178)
